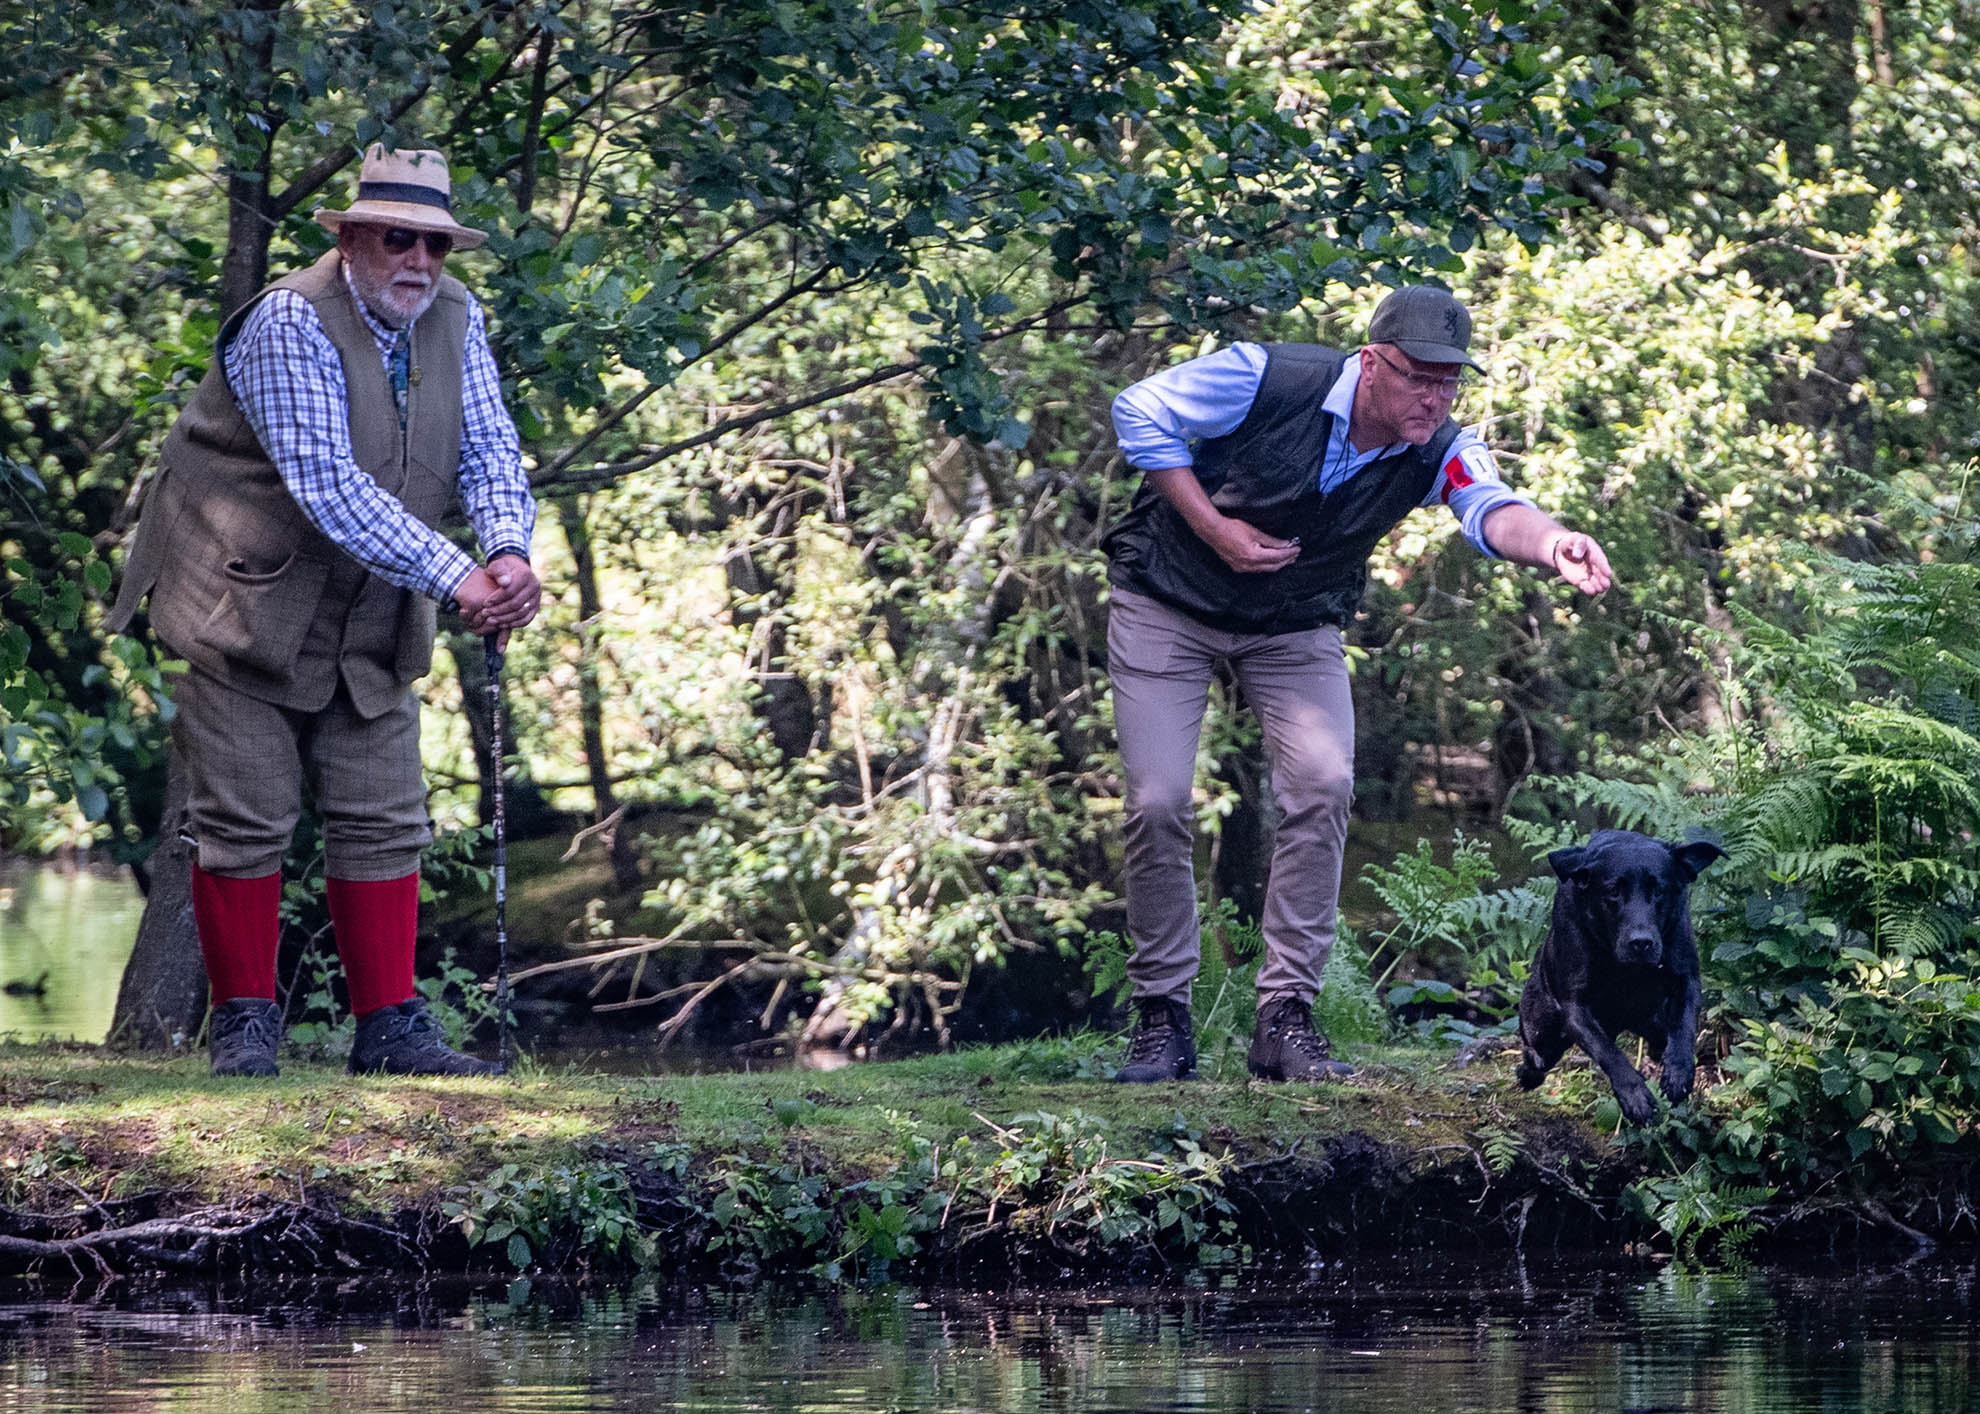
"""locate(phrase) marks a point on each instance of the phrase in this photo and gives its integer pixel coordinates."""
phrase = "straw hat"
(405, 188)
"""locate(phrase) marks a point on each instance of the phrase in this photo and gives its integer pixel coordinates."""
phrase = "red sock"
(239, 922)
(377, 922)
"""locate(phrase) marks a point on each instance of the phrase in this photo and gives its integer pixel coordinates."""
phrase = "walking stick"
(492, 644)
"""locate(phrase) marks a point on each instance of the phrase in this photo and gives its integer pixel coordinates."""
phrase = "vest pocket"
(418, 622)
(263, 616)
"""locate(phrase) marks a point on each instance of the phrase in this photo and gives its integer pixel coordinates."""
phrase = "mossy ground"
(87, 1121)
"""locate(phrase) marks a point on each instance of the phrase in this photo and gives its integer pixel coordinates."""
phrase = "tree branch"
(334, 161)
(605, 473)
(550, 474)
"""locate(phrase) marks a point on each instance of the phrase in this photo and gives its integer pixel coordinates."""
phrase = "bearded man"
(289, 549)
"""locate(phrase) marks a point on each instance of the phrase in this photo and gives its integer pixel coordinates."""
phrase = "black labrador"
(1619, 957)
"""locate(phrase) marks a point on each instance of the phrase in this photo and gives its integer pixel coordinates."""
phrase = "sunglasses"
(1444, 386)
(398, 240)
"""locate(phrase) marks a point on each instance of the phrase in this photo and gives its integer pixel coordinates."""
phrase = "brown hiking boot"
(1164, 1045)
(404, 1040)
(241, 1036)
(1286, 1047)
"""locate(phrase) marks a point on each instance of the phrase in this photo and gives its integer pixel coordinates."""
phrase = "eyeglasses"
(1442, 385)
(398, 240)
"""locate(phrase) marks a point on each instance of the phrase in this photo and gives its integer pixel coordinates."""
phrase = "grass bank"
(1021, 1156)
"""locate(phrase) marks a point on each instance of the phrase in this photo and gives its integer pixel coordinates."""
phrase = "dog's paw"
(1529, 1077)
(1676, 1085)
(1637, 1105)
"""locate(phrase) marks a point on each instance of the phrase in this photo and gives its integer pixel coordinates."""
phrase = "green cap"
(1426, 323)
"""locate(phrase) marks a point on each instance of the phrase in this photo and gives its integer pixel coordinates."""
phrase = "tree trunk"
(250, 211)
(759, 581)
(591, 699)
(163, 994)
(949, 660)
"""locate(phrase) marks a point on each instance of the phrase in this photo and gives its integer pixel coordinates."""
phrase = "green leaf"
(93, 802)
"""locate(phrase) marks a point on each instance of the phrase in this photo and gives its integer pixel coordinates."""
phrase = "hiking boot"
(1286, 1047)
(242, 1034)
(404, 1040)
(1164, 1045)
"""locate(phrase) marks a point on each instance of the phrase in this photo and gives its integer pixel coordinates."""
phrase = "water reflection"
(1424, 1338)
(65, 935)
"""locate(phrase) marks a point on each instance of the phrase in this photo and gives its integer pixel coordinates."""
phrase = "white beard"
(395, 305)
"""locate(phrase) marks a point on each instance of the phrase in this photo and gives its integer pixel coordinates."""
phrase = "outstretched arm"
(1532, 537)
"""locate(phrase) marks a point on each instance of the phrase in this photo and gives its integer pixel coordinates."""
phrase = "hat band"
(405, 191)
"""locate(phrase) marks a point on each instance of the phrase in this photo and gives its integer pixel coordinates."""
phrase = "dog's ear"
(1567, 861)
(1694, 857)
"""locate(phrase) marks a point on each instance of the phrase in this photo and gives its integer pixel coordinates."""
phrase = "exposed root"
(1886, 1218)
(211, 1238)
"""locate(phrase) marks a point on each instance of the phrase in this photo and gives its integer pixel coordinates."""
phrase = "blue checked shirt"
(289, 382)
(1158, 418)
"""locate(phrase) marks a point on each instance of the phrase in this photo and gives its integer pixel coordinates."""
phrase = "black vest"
(1267, 473)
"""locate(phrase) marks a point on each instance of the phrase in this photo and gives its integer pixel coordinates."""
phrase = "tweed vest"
(1266, 472)
(242, 585)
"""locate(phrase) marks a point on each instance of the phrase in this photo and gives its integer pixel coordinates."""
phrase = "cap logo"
(1452, 321)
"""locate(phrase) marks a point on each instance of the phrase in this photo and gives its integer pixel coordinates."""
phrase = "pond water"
(65, 935)
(1375, 1337)
(67, 931)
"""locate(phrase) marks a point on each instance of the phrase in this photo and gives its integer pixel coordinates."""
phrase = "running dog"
(1620, 956)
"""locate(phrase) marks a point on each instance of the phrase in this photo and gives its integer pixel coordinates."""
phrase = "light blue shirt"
(1158, 419)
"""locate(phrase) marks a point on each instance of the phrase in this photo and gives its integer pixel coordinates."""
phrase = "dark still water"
(1416, 1339)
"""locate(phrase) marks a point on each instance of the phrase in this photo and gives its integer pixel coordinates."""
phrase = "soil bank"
(1022, 1157)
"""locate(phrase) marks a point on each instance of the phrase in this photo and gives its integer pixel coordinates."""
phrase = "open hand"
(1580, 561)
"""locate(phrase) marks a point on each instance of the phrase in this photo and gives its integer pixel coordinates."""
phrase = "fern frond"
(1930, 931)
(1788, 810)
(1661, 808)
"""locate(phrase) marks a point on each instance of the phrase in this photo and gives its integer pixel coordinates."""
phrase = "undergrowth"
(1045, 1185)
(1839, 937)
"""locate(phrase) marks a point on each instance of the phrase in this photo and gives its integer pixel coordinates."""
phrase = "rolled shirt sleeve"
(1156, 420)
(1469, 483)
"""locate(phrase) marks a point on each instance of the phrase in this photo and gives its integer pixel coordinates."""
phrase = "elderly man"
(289, 550)
(1269, 474)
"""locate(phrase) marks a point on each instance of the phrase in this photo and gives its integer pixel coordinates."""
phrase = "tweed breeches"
(248, 760)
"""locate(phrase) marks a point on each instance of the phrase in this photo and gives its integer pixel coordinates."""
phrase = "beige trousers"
(1160, 661)
(247, 760)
